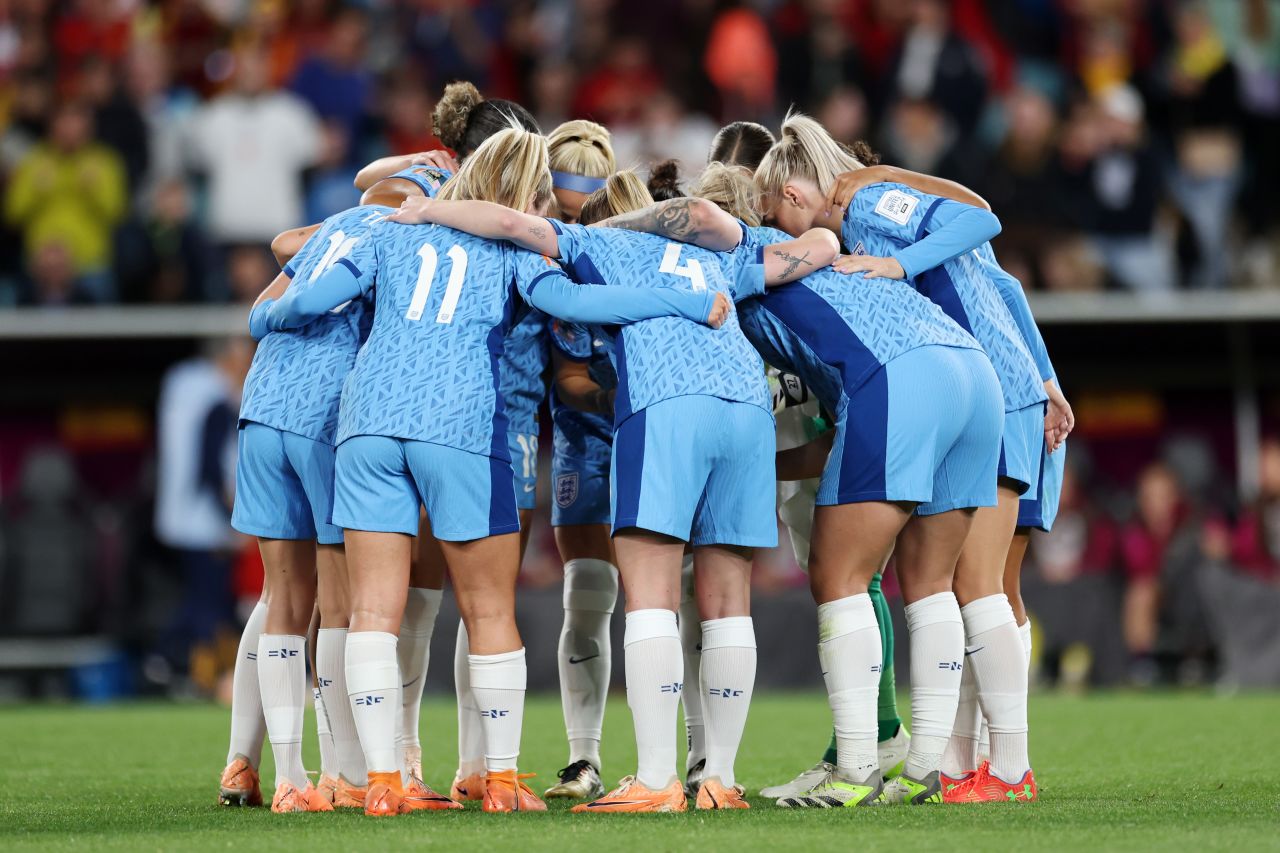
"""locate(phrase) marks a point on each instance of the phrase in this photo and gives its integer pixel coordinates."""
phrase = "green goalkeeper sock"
(887, 702)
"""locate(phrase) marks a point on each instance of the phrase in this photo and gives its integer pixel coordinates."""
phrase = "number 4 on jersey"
(692, 270)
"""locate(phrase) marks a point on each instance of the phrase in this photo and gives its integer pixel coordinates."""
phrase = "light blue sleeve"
(258, 319)
(548, 288)
(558, 295)
(952, 229)
(1015, 299)
(301, 305)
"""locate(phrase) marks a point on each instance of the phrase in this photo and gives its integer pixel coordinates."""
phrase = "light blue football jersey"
(296, 378)
(524, 366)
(884, 218)
(835, 330)
(429, 371)
(667, 357)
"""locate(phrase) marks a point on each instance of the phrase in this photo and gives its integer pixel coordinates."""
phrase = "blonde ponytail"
(509, 168)
(805, 150)
(623, 192)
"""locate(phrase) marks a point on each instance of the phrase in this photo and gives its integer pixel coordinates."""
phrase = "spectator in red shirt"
(1144, 548)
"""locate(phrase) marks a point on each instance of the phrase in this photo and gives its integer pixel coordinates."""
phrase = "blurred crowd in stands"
(149, 149)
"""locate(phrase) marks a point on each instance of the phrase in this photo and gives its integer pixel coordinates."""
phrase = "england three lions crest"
(566, 489)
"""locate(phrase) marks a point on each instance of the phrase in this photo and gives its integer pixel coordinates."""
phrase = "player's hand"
(413, 211)
(1059, 420)
(720, 311)
(439, 159)
(846, 186)
(870, 266)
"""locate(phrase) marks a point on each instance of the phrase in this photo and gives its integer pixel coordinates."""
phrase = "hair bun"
(664, 180)
(449, 119)
(865, 154)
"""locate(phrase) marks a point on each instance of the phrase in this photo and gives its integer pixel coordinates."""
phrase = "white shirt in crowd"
(254, 150)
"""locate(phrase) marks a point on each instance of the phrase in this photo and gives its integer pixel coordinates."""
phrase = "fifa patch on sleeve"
(897, 206)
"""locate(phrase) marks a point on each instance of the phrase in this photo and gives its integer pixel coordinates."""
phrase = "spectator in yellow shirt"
(71, 191)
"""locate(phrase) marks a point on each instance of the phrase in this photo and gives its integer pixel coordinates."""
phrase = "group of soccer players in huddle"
(389, 436)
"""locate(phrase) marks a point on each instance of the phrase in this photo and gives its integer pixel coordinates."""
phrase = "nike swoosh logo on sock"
(410, 684)
(968, 651)
(572, 659)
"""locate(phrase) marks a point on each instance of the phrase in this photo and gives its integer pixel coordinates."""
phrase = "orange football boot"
(986, 787)
(349, 796)
(385, 795)
(328, 787)
(505, 791)
(949, 782)
(712, 794)
(418, 796)
(631, 796)
(239, 785)
(468, 789)
(290, 799)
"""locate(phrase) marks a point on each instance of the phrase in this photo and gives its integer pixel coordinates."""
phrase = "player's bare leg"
(282, 666)
(851, 543)
(722, 585)
(483, 572)
(994, 657)
(926, 556)
(422, 606)
(378, 568)
(649, 564)
(333, 595)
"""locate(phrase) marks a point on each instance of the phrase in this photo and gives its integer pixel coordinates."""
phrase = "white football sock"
(373, 684)
(498, 685)
(282, 678)
(727, 680)
(999, 662)
(248, 727)
(655, 677)
(961, 754)
(1024, 632)
(331, 673)
(585, 654)
(324, 733)
(414, 655)
(691, 643)
(936, 634)
(470, 732)
(851, 656)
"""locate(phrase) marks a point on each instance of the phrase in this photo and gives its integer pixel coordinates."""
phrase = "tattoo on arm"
(672, 219)
(793, 261)
(538, 231)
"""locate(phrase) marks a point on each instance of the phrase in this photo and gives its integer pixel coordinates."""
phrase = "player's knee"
(590, 585)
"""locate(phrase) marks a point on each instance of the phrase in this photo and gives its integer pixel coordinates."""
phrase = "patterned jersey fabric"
(296, 378)
(667, 357)
(525, 360)
(430, 369)
(884, 218)
(835, 330)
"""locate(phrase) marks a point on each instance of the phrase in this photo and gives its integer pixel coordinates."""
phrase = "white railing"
(206, 321)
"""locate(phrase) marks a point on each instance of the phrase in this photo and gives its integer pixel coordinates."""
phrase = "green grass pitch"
(1119, 771)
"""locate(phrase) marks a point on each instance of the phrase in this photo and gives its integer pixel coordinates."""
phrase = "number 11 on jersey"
(427, 272)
